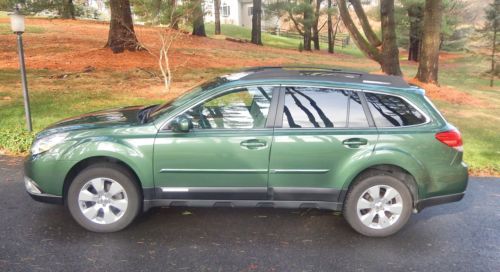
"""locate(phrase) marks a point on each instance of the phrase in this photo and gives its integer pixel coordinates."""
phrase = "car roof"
(322, 74)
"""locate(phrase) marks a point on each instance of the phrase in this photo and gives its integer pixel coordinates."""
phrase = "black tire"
(111, 171)
(355, 193)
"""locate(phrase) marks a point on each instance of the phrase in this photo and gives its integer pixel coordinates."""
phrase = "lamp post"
(17, 26)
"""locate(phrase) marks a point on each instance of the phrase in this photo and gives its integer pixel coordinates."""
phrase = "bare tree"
(429, 54)
(121, 30)
(385, 52)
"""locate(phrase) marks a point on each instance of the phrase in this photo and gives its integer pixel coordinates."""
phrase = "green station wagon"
(371, 146)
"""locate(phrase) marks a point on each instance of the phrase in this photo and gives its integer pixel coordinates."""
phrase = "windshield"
(194, 92)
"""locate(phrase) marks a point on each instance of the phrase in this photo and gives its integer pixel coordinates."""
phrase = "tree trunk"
(307, 28)
(429, 57)
(156, 12)
(198, 23)
(365, 47)
(217, 16)
(331, 41)
(174, 16)
(390, 51)
(315, 24)
(367, 29)
(68, 11)
(121, 29)
(388, 55)
(256, 22)
(335, 31)
(307, 39)
(494, 48)
(415, 36)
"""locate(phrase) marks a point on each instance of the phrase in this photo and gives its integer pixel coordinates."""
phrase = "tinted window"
(239, 109)
(307, 107)
(392, 111)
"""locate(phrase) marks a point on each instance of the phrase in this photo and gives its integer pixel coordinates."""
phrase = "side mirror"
(181, 124)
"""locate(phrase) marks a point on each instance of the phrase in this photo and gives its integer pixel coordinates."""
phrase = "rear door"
(319, 132)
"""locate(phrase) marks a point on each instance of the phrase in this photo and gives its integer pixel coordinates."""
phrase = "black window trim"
(280, 110)
(427, 118)
(270, 115)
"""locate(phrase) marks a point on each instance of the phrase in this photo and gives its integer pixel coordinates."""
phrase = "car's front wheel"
(104, 198)
(378, 205)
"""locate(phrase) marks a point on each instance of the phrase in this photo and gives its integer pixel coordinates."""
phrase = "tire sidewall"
(116, 173)
(350, 207)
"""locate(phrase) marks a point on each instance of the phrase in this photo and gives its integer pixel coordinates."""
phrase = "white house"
(237, 12)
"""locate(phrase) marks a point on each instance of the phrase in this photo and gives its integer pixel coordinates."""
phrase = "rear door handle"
(355, 142)
(253, 144)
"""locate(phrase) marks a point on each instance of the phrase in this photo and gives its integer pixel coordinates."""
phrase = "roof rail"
(297, 67)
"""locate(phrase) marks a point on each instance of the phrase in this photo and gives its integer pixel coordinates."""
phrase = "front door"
(225, 155)
(319, 133)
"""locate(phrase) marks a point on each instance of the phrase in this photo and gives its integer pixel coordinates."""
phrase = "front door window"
(245, 108)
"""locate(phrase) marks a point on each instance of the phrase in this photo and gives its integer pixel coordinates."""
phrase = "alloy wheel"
(103, 200)
(379, 207)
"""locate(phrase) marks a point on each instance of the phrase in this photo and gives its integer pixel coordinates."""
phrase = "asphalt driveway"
(462, 236)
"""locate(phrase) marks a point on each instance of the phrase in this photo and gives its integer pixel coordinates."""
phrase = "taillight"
(451, 138)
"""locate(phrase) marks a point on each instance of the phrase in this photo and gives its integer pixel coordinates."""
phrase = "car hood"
(99, 119)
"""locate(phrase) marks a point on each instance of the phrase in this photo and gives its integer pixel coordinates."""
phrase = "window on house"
(226, 10)
(250, 11)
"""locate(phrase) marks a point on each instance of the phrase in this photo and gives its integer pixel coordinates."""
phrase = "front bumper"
(37, 194)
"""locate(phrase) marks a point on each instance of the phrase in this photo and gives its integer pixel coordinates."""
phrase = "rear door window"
(393, 111)
(313, 107)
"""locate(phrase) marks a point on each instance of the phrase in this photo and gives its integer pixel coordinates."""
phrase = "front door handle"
(253, 144)
(355, 142)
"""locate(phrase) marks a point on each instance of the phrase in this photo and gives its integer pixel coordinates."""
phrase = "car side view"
(371, 146)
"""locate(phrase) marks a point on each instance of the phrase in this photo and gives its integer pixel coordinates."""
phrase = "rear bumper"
(438, 200)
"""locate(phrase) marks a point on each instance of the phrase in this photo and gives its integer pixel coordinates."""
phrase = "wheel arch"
(390, 169)
(83, 164)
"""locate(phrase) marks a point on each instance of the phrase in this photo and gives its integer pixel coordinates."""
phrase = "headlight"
(46, 143)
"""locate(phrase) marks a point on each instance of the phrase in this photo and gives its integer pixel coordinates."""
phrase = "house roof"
(325, 74)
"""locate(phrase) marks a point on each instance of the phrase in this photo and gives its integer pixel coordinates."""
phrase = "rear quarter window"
(393, 111)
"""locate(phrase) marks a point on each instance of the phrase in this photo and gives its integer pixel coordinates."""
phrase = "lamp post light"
(17, 26)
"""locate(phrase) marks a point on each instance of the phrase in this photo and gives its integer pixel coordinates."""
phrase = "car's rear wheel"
(378, 205)
(104, 198)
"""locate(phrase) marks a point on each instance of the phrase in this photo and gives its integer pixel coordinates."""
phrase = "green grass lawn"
(273, 40)
(5, 29)
(53, 99)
